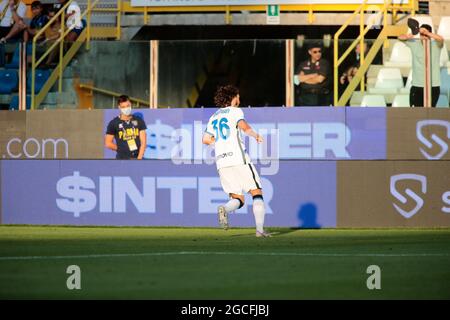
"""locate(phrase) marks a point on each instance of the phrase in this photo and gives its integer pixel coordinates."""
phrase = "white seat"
(388, 93)
(408, 84)
(445, 82)
(389, 78)
(373, 70)
(444, 62)
(355, 100)
(383, 91)
(401, 100)
(423, 20)
(400, 56)
(373, 100)
(444, 27)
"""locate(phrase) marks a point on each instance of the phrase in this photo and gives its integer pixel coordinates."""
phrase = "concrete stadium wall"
(332, 167)
(122, 67)
(181, 64)
(62, 134)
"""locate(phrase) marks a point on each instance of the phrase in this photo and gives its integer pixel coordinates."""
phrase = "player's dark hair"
(427, 26)
(224, 95)
(123, 98)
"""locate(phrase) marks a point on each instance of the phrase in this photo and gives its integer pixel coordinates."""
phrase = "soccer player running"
(237, 173)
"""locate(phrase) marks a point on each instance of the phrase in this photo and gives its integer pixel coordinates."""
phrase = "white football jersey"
(228, 147)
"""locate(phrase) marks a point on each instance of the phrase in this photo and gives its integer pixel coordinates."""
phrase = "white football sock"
(259, 211)
(232, 205)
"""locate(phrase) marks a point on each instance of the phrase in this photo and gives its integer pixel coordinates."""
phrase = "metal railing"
(229, 9)
(388, 7)
(63, 59)
(387, 31)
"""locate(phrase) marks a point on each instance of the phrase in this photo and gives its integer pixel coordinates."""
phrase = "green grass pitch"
(207, 263)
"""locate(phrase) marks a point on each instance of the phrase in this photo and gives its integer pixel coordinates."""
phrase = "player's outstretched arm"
(244, 126)
(208, 139)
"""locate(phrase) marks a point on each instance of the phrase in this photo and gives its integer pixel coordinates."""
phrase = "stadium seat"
(2, 55)
(388, 78)
(356, 98)
(373, 70)
(389, 82)
(9, 81)
(388, 94)
(443, 101)
(444, 27)
(408, 84)
(400, 56)
(444, 62)
(445, 82)
(14, 105)
(401, 100)
(373, 100)
(15, 61)
(42, 76)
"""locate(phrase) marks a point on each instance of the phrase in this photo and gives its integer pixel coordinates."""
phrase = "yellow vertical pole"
(385, 18)
(33, 72)
(310, 14)
(154, 62)
(88, 22)
(145, 15)
(361, 43)
(289, 73)
(336, 66)
(61, 51)
(22, 45)
(227, 15)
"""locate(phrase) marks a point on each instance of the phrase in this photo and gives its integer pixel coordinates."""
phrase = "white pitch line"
(186, 253)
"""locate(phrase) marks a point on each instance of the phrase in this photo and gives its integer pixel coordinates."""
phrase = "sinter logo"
(421, 125)
(79, 194)
(414, 196)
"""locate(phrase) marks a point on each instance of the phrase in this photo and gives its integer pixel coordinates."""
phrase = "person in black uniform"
(128, 131)
(313, 75)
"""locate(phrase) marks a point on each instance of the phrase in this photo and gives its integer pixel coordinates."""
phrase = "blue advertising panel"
(290, 133)
(159, 193)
